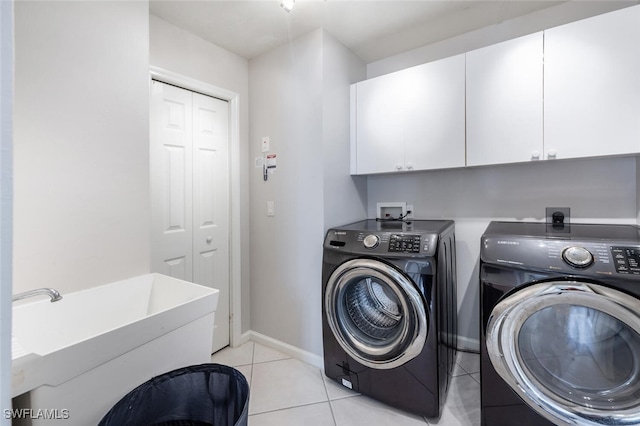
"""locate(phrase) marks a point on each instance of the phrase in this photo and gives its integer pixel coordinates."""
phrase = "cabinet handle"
(535, 155)
(551, 155)
(409, 166)
(209, 239)
(398, 166)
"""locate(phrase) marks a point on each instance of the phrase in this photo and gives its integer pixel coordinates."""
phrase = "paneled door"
(189, 162)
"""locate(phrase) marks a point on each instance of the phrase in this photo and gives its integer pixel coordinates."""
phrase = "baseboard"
(244, 338)
(294, 352)
(464, 344)
(468, 344)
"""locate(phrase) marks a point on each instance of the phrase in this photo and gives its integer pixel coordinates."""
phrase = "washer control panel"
(405, 243)
(577, 256)
(371, 241)
(626, 259)
(400, 244)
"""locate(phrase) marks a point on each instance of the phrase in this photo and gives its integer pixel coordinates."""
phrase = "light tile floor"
(285, 391)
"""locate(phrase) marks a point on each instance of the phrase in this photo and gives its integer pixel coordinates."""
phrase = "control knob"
(371, 241)
(576, 256)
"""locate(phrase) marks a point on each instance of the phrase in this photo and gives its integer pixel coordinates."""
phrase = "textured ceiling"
(372, 29)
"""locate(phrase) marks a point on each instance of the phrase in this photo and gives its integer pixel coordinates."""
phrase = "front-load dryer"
(560, 324)
(389, 311)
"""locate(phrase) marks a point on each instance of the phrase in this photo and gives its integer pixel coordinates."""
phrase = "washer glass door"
(376, 313)
(571, 350)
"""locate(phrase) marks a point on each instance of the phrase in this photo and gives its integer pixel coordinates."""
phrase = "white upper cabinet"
(568, 92)
(592, 86)
(504, 102)
(434, 117)
(411, 120)
(379, 125)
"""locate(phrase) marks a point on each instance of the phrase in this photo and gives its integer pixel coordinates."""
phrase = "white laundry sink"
(83, 353)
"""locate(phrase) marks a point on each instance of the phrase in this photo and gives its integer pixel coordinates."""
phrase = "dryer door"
(571, 350)
(376, 313)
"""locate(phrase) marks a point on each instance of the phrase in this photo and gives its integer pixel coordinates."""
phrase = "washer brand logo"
(508, 243)
(339, 233)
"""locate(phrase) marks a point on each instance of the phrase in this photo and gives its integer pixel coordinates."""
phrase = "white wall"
(286, 105)
(182, 52)
(6, 196)
(293, 88)
(345, 196)
(81, 143)
(537, 21)
(638, 189)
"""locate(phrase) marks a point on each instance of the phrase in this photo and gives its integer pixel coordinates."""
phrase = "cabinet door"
(379, 129)
(504, 102)
(434, 115)
(592, 86)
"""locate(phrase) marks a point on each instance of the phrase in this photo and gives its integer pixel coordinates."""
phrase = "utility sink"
(83, 353)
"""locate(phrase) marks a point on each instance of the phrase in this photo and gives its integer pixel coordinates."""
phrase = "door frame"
(166, 76)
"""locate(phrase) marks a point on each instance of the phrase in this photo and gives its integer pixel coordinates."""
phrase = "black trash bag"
(198, 395)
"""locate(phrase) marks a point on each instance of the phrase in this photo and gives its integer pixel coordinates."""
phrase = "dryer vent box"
(390, 210)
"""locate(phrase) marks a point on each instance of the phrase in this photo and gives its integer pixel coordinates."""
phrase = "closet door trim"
(235, 253)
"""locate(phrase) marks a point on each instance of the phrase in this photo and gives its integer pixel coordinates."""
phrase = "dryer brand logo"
(339, 233)
(508, 243)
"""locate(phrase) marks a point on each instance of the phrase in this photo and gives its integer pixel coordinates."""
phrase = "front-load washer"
(560, 324)
(389, 311)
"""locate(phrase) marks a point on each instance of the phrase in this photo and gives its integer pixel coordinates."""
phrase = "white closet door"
(211, 205)
(171, 181)
(189, 160)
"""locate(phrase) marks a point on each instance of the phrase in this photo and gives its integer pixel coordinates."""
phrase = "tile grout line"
(325, 383)
(326, 390)
(288, 408)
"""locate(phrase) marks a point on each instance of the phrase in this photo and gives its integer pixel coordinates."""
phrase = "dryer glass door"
(376, 313)
(571, 350)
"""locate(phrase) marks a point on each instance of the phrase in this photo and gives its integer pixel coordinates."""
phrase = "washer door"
(376, 313)
(571, 350)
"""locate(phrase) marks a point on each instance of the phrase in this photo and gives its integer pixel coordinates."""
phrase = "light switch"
(271, 208)
(265, 144)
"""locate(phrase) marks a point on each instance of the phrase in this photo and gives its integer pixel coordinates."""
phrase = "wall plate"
(566, 211)
(391, 210)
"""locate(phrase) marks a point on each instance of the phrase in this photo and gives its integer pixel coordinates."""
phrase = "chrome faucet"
(51, 292)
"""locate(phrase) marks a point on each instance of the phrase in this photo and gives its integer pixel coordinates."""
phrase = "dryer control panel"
(589, 250)
(626, 259)
(571, 257)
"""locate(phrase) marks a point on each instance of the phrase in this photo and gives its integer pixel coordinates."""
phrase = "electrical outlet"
(409, 211)
(558, 215)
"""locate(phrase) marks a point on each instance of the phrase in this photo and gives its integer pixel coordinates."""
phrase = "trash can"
(198, 395)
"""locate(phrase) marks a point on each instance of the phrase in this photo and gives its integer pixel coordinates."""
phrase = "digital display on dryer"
(626, 260)
(402, 243)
